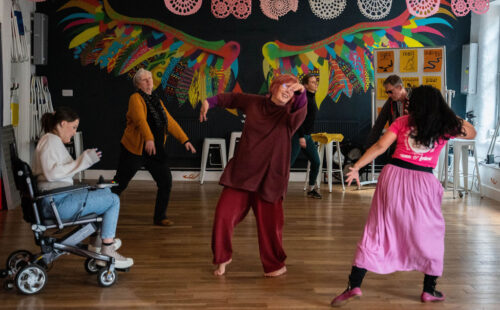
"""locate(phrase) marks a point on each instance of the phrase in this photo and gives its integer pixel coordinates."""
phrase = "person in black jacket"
(302, 138)
(395, 106)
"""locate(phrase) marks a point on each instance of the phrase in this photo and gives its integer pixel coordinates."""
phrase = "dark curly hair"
(431, 118)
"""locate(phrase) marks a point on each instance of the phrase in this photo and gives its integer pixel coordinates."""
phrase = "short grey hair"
(138, 76)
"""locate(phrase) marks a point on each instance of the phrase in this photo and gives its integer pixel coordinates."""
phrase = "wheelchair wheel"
(31, 279)
(17, 260)
(91, 266)
(106, 277)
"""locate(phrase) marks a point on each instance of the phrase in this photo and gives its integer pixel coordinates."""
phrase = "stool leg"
(445, 165)
(223, 155)
(321, 154)
(307, 175)
(465, 167)
(477, 171)
(456, 169)
(340, 166)
(329, 163)
(204, 157)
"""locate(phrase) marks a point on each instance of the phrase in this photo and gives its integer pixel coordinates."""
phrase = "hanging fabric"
(240, 9)
(41, 103)
(327, 9)
(423, 8)
(183, 7)
(19, 50)
(14, 104)
(375, 9)
(278, 8)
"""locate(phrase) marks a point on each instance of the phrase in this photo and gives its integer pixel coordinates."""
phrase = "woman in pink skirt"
(405, 227)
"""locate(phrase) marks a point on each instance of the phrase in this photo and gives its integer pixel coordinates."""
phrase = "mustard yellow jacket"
(138, 132)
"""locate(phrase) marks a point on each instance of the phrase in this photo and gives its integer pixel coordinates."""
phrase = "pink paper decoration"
(422, 8)
(222, 8)
(460, 7)
(242, 8)
(481, 6)
(277, 8)
(239, 8)
(183, 7)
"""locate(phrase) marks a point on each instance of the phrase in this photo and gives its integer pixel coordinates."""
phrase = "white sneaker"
(121, 262)
(96, 246)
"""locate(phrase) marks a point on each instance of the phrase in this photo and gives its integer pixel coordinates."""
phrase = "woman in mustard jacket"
(143, 143)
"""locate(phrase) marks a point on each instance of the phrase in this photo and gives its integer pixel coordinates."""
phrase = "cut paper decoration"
(188, 69)
(423, 8)
(481, 6)
(222, 8)
(278, 8)
(183, 7)
(375, 9)
(345, 60)
(242, 8)
(460, 7)
(239, 8)
(327, 9)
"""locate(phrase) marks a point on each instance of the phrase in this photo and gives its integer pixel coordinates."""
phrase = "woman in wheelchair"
(53, 167)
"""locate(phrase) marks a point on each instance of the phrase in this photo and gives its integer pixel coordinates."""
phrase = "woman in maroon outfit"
(257, 176)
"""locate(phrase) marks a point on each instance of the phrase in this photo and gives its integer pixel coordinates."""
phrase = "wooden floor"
(173, 264)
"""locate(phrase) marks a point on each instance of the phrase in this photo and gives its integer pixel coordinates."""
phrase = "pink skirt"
(405, 227)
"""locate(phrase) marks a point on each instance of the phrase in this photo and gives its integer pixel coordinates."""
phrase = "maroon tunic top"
(261, 162)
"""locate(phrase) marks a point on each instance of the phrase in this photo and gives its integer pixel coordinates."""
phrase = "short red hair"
(280, 80)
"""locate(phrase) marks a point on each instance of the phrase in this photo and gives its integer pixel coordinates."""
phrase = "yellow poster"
(432, 81)
(433, 60)
(385, 61)
(381, 95)
(411, 81)
(408, 61)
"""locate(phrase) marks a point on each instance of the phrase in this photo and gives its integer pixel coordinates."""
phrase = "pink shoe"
(347, 295)
(428, 297)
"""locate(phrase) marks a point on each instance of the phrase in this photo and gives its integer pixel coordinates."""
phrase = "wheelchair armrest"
(61, 190)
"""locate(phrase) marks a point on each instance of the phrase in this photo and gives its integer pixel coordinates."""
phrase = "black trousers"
(128, 166)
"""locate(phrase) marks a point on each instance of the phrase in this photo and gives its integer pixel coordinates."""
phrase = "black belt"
(407, 165)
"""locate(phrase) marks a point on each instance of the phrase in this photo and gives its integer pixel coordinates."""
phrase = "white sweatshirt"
(54, 167)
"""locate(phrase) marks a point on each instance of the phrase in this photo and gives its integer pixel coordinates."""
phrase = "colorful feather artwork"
(344, 61)
(187, 68)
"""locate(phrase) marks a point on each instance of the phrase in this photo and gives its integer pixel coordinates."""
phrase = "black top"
(307, 126)
(157, 121)
(389, 113)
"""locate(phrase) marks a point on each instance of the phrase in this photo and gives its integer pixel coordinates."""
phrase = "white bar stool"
(78, 144)
(329, 161)
(235, 137)
(461, 147)
(204, 155)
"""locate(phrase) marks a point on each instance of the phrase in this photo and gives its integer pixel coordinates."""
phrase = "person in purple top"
(257, 176)
(405, 227)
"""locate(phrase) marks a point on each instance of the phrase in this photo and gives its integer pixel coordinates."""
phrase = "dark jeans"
(160, 171)
(311, 152)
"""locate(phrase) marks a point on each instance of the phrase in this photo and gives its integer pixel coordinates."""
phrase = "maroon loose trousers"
(232, 208)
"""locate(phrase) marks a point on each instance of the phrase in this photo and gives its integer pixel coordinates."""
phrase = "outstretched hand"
(189, 147)
(353, 174)
(203, 111)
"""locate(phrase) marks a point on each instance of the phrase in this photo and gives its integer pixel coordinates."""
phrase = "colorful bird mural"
(188, 69)
(344, 61)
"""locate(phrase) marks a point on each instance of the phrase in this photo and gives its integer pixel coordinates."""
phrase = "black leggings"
(130, 163)
(357, 275)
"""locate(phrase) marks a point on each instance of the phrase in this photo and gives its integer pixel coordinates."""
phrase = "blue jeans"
(101, 202)
(311, 152)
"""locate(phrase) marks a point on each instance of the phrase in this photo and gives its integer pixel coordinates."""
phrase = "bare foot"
(221, 268)
(276, 273)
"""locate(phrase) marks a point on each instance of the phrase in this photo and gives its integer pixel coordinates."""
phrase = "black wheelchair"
(28, 271)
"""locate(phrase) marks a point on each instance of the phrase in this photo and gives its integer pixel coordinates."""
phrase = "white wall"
(21, 72)
(485, 30)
